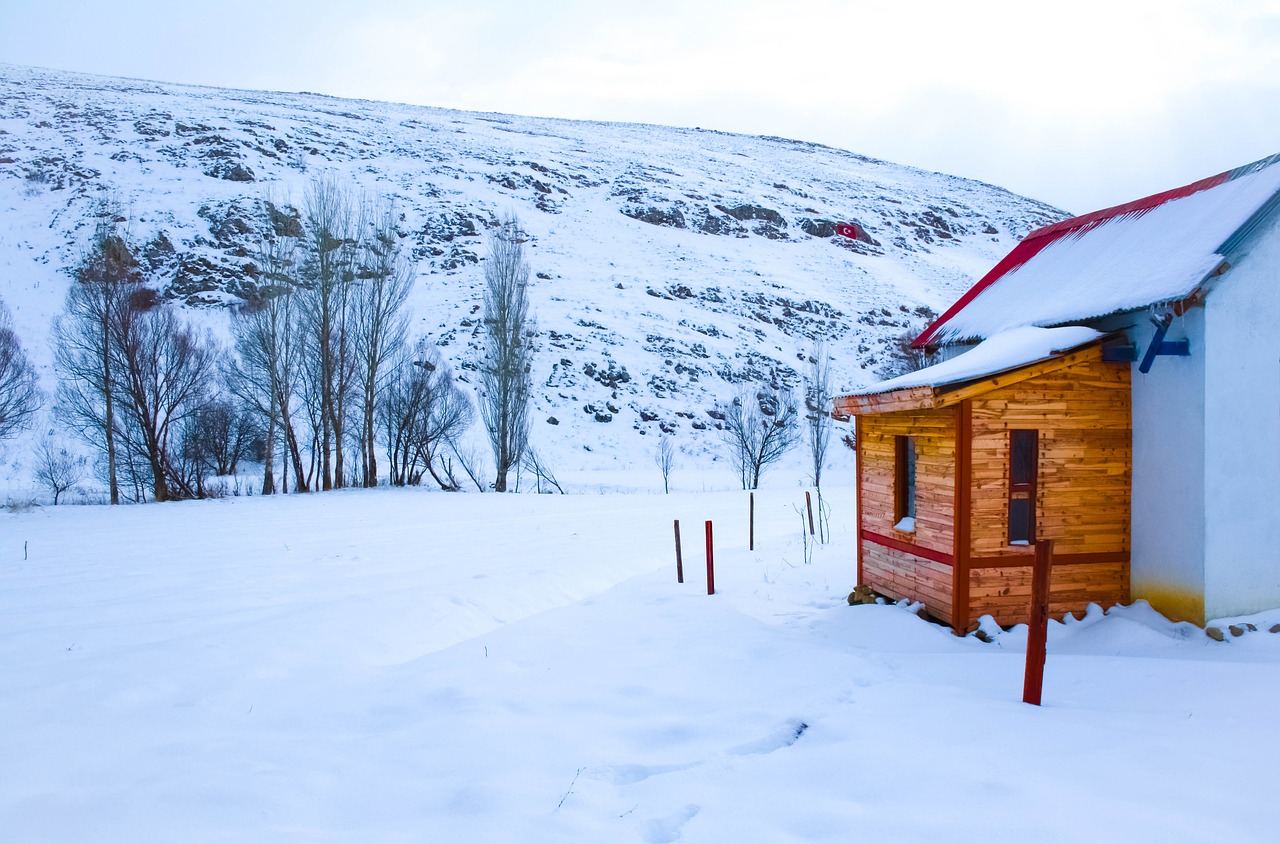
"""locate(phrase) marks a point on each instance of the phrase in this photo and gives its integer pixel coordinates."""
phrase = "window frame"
(905, 460)
(1024, 486)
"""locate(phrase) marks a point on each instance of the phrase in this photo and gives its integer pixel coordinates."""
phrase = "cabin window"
(1024, 455)
(904, 483)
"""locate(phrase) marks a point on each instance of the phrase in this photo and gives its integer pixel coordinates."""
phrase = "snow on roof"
(1157, 249)
(1005, 351)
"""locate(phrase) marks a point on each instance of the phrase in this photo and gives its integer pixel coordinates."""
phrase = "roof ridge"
(1033, 243)
(1155, 200)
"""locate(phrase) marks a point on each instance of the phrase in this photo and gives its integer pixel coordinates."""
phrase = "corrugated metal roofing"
(1156, 249)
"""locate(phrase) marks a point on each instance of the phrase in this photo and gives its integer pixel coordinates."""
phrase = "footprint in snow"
(664, 830)
(628, 774)
(785, 736)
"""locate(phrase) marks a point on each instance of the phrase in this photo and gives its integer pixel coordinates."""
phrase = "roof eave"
(1232, 249)
(1179, 305)
(894, 401)
(947, 395)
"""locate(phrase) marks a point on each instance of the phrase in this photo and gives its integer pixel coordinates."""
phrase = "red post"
(679, 562)
(751, 521)
(711, 567)
(1038, 627)
(808, 505)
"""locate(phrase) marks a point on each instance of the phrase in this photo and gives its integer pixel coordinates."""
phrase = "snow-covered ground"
(402, 665)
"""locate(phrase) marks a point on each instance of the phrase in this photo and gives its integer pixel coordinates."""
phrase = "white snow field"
(403, 665)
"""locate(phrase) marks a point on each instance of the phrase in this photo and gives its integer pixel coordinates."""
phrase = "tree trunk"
(112, 480)
(368, 435)
(269, 459)
(291, 448)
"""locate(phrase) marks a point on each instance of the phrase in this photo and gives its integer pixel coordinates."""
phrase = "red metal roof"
(1041, 238)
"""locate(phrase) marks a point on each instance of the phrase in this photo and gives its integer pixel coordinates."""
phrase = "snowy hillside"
(669, 263)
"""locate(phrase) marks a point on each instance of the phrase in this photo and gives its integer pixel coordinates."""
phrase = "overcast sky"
(1083, 104)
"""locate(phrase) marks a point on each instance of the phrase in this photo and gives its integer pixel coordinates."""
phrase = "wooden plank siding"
(1005, 592)
(890, 570)
(1085, 460)
(1081, 412)
(934, 433)
(900, 575)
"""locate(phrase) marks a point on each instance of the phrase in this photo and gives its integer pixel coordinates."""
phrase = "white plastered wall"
(1168, 503)
(1242, 435)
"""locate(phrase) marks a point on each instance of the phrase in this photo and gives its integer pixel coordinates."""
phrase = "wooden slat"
(1023, 558)
(906, 544)
(904, 576)
(963, 518)
(1004, 592)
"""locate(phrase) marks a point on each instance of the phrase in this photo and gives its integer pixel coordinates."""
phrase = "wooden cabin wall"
(1005, 592)
(894, 571)
(898, 574)
(1082, 492)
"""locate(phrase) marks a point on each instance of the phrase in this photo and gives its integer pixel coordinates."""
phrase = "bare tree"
(666, 460)
(902, 356)
(505, 380)
(817, 402)
(328, 270)
(131, 372)
(56, 467)
(219, 436)
(380, 324)
(264, 374)
(759, 428)
(541, 471)
(424, 413)
(164, 370)
(472, 464)
(105, 279)
(19, 389)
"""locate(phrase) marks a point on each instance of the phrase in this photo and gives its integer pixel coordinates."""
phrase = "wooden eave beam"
(908, 398)
(947, 395)
(956, 393)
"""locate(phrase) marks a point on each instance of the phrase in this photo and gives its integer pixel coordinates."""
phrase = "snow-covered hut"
(1124, 401)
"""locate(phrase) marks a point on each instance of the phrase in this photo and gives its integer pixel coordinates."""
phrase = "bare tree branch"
(817, 409)
(759, 428)
(20, 396)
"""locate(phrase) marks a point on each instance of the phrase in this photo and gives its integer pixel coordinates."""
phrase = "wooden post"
(808, 505)
(679, 562)
(960, 548)
(1038, 628)
(751, 521)
(711, 567)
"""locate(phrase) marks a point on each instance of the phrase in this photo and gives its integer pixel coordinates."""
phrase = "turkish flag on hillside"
(848, 230)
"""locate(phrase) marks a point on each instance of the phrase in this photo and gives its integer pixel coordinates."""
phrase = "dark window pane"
(911, 476)
(1022, 457)
(904, 478)
(1019, 520)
